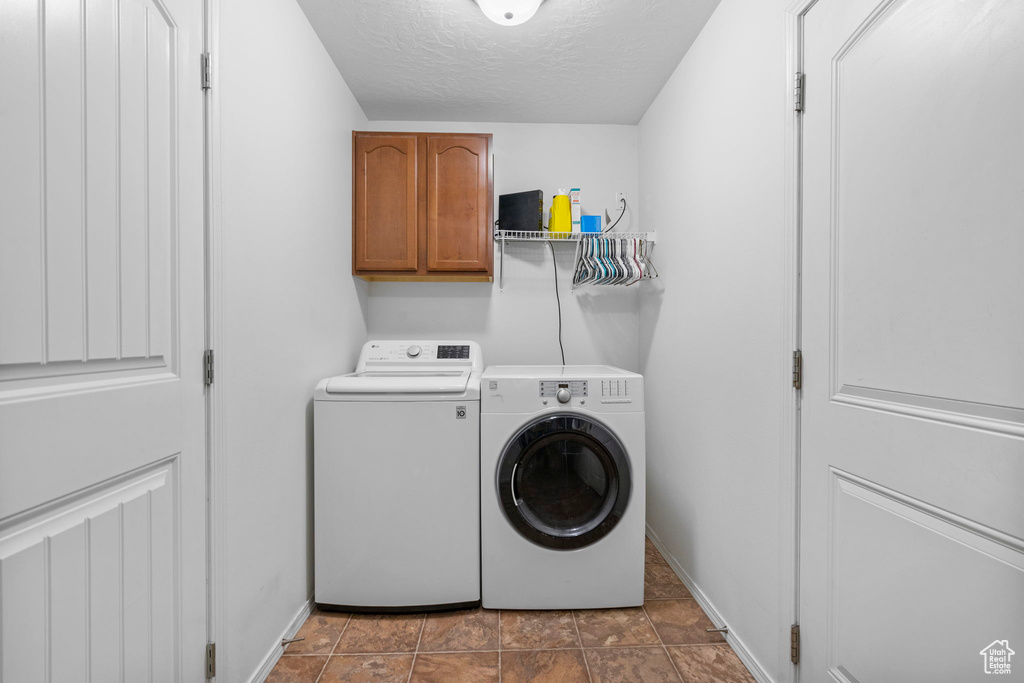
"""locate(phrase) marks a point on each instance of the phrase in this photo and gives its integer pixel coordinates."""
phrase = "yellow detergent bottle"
(561, 214)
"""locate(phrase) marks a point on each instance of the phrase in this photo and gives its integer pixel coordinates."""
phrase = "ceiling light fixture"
(509, 12)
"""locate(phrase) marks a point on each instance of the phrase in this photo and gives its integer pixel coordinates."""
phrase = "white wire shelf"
(505, 236)
(545, 236)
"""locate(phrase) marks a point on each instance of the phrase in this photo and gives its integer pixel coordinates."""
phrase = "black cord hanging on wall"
(558, 300)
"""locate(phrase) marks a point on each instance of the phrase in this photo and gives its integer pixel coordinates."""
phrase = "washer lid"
(400, 382)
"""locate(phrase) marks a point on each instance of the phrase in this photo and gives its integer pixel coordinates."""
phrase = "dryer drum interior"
(564, 481)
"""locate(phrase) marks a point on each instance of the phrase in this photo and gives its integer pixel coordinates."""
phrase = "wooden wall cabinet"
(422, 206)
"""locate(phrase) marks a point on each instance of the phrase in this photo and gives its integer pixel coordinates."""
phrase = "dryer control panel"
(575, 387)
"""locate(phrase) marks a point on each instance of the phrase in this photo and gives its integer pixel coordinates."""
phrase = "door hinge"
(208, 367)
(211, 660)
(798, 369)
(794, 643)
(798, 93)
(206, 72)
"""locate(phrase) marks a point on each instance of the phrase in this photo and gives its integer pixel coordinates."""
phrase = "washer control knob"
(563, 395)
(413, 351)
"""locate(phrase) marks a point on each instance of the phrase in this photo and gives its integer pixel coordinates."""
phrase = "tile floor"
(663, 641)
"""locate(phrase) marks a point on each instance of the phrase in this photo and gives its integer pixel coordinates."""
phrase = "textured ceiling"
(576, 61)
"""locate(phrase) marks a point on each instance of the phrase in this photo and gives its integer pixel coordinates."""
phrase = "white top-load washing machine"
(562, 487)
(396, 479)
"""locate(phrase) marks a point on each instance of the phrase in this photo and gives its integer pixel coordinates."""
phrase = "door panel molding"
(996, 419)
(91, 573)
(76, 368)
(90, 269)
(866, 247)
(31, 527)
(834, 214)
(991, 542)
(897, 520)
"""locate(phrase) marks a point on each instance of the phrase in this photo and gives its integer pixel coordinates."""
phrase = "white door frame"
(215, 475)
(215, 595)
(792, 309)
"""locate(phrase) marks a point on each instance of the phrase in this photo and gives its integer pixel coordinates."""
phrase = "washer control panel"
(454, 351)
(559, 388)
(414, 353)
(396, 351)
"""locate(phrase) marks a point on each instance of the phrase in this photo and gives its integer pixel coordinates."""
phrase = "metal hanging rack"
(574, 238)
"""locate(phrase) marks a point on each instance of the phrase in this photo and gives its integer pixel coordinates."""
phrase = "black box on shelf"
(521, 211)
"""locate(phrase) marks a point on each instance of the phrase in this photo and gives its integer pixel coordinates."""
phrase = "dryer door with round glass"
(564, 481)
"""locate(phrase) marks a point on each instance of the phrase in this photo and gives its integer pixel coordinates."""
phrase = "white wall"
(287, 311)
(519, 324)
(712, 344)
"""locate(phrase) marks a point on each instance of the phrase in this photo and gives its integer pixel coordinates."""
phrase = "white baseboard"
(732, 637)
(277, 649)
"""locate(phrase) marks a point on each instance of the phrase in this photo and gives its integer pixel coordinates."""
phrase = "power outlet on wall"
(619, 198)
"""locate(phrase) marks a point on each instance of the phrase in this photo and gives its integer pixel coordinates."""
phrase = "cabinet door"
(458, 203)
(384, 205)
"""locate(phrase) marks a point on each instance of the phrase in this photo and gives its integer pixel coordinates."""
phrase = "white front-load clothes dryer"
(562, 487)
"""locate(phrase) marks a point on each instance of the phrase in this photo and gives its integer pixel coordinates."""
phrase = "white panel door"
(912, 466)
(102, 461)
